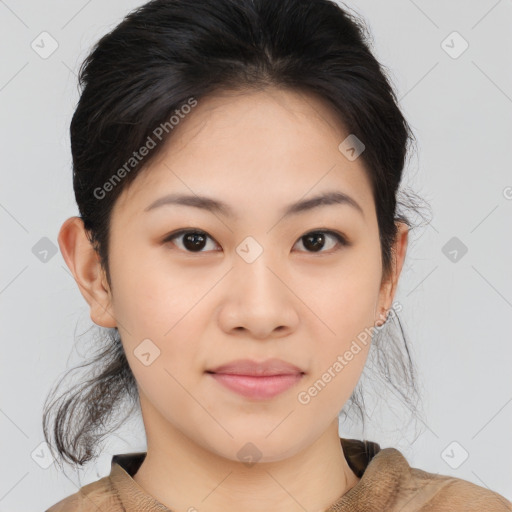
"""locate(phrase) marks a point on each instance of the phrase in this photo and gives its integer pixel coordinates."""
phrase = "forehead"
(272, 146)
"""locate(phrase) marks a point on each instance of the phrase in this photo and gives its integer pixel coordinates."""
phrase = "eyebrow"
(216, 206)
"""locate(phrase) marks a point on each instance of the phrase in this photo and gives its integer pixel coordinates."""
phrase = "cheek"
(151, 300)
(344, 298)
(158, 335)
(344, 302)
(338, 353)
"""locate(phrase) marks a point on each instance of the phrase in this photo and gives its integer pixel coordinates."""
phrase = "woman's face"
(250, 285)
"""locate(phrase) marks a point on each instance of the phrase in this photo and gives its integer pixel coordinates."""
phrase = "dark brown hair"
(150, 65)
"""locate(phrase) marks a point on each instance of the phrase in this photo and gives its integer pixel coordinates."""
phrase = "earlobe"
(84, 263)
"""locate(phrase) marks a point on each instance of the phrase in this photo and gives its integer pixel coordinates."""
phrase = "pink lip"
(259, 388)
(255, 368)
(257, 380)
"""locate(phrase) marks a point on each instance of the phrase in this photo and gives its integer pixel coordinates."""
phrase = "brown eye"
(196, 241)
(315, 241)
(191, 240)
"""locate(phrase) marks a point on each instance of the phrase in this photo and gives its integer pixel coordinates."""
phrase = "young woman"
(236, 168)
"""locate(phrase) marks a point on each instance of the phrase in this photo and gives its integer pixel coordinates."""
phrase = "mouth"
(257, 380)
(268, 367)
(261, 387)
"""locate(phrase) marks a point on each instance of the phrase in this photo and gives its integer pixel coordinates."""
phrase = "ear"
(389, 286)
(84, 263)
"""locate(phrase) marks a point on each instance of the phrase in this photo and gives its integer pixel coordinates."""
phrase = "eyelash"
(342, 241)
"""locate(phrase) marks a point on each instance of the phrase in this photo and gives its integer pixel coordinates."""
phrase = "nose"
(259, 301)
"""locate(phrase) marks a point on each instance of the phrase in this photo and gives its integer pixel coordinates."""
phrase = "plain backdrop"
(450, 66)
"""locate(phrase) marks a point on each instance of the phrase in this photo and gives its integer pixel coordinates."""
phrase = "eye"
(195, 240)
(315, 240)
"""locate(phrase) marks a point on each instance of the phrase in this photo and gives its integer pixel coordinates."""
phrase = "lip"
(257, 388)
(257, 380)
(255, 368)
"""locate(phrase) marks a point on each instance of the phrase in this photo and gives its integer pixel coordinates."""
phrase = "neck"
(184, 476)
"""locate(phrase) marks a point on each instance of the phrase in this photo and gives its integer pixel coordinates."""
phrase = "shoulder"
(424, 491)
(98, 495)
(470, 497)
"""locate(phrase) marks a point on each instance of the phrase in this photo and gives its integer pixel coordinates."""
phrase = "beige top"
(387, 484)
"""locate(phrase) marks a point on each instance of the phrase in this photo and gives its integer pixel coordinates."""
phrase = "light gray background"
(456, 314)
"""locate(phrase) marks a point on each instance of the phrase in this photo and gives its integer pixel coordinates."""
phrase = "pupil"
(312, 245)
(193, 238)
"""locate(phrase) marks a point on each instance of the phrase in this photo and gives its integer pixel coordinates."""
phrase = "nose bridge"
(254, 268)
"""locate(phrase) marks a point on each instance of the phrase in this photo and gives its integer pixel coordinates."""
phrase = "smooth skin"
(257, 151)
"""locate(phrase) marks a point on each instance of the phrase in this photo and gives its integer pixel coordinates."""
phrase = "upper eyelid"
(202, 231)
